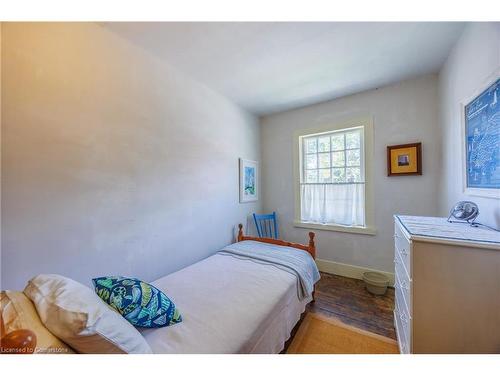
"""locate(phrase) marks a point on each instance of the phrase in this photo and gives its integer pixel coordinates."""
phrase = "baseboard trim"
(348, 270)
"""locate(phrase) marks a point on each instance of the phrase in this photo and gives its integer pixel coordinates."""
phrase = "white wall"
(474, 58)
(0, 152)
(112, 161)
(403, 113)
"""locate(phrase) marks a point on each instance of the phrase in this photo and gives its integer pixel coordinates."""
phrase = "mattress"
(228, 305)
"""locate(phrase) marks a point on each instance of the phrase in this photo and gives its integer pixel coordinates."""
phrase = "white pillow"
(76, 315)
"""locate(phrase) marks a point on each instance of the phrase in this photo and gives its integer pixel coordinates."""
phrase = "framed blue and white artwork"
(249, 181)
(481, 130)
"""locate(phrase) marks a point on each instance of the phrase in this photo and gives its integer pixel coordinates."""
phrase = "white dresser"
(447, 286)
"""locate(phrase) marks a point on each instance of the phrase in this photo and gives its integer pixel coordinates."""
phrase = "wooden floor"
(347, 300)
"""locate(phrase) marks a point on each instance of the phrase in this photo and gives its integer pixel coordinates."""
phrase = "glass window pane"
(338, 175)
(324, 160)
(311, 145)
(338, 159)
(352, 140)
(353, 174)
(312, 176)
(325, 175)
(338, 142)
(324, 144)
(353, 157)
(311, 161)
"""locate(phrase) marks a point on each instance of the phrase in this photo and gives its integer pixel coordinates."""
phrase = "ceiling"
(271, 67)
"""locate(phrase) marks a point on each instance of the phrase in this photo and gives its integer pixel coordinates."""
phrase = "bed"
(229, 307)
(235, 302)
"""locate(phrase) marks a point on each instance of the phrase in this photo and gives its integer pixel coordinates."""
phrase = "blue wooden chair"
(267, 225)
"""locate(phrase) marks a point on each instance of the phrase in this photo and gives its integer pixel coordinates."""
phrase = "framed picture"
(404, 160)
(249, 180)
(481, 140)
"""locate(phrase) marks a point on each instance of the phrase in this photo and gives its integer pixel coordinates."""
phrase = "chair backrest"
(267, 226)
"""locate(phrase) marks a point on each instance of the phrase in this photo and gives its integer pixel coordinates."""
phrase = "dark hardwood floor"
(347, 300)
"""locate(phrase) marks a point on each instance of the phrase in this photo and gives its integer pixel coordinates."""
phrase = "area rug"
(323, 335)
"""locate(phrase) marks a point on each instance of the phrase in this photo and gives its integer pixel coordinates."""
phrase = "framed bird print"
(249, 181)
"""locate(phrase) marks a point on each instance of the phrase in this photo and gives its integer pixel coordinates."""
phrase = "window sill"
(336, 228)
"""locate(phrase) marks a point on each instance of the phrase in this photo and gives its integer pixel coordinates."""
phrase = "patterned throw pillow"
(140, 303)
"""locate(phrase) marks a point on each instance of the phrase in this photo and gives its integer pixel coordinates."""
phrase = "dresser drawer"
(402, 292)
(403, 342)
(402, 246)
(403, 315)
(400, 270)
(402, 281)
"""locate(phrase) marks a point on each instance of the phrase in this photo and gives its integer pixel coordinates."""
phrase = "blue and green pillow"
(140, 303)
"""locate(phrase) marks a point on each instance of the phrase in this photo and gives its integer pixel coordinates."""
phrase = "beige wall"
(475, 57)
(112, 161)
(403, 113)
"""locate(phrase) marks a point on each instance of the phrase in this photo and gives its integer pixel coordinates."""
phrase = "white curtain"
(333, 204)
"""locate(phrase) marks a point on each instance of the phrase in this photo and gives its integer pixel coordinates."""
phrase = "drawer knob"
(403, 317)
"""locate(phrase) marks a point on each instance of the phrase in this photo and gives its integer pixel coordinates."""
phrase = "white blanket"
(299, 263)
(228, 305)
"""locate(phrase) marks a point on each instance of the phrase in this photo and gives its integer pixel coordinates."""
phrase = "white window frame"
(367, 124)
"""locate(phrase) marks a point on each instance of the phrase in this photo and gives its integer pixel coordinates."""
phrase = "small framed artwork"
(481, 140)
(249, 180)
(404, 160)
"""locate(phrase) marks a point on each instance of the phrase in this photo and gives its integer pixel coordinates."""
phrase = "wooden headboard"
(20, 341)
(310, 248)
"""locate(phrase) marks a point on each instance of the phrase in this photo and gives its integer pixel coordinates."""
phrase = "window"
(332, 186)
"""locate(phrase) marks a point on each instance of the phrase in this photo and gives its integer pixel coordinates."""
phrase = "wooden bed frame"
(311, 248)
(20, 341)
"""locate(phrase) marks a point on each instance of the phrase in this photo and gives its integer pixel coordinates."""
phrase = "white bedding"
(228, 305)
